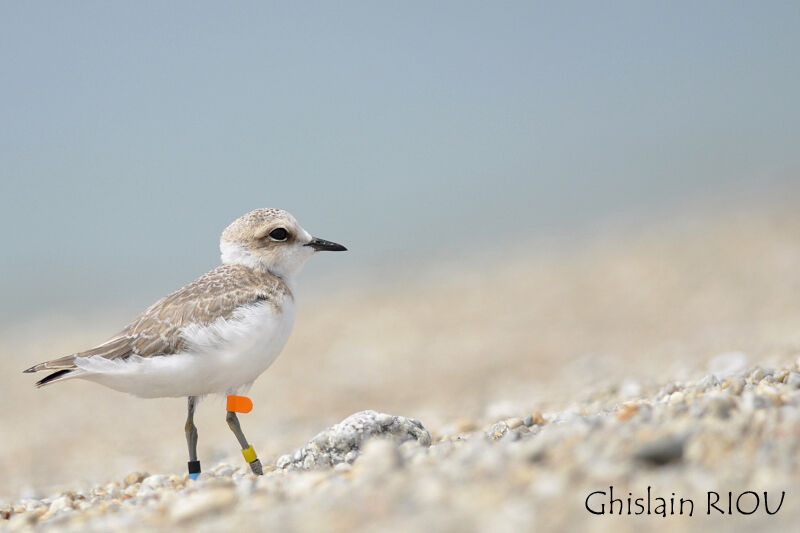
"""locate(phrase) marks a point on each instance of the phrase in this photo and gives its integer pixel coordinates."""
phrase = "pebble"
(497, 430)
(793, 380)
(133, 477)
(676, 397)
(513, 423)
(62, 503)
(736, 385)
(707, 383)
(757, 374)
(661, 451)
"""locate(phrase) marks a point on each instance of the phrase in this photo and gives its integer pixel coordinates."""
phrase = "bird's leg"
(191, 439)
(247, 450)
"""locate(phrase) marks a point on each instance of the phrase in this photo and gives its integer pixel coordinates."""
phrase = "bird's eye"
(279, 234)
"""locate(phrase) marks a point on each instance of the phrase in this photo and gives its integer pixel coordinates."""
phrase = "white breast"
(224, 357)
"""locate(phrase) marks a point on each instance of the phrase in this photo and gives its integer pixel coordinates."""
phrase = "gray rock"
(497, 431)
(737, 385)
(661, 451)
(793, 380)
(343, 442)
(283, 461)
(757, 374)
(708, 382)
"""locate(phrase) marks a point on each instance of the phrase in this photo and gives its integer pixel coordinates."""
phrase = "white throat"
(232, 253)
(286, 269)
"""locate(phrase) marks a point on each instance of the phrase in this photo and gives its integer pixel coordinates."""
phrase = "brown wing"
(157, 331)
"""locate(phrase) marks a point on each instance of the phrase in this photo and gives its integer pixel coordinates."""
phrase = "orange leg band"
(240, 404)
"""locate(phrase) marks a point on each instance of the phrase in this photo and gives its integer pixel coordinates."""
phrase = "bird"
(215, 335)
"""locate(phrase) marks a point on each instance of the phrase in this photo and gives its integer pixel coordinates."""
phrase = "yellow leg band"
(249, 454)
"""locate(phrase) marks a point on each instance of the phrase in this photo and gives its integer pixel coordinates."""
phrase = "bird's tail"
(55, 376)
(64, 368)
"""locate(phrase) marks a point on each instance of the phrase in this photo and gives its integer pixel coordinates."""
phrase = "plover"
(216, 335)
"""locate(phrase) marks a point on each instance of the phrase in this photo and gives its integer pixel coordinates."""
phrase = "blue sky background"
(133, 133)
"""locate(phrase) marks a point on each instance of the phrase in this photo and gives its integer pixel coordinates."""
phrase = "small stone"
(708, 382)
(757, 375)
(62, 503)
(735, 385)
(513, 423)
(793, 380)
(676, 397)
(538, 419)
(112, 489)
(661, 451)
(134, 477)
(667, 389)
(497, 430)
(528, 420)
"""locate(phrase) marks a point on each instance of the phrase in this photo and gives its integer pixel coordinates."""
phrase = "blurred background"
(537, 199)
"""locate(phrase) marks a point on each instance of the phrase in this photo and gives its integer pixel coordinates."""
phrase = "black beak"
(322, 244)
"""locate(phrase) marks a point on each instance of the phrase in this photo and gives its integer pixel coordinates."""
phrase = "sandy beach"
(664, 355)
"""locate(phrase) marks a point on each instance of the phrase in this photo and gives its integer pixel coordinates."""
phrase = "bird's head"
(271, 239)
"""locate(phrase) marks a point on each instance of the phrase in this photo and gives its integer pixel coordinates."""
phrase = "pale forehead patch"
(247, 226)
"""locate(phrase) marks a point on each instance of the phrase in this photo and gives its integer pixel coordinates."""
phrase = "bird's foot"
(255, 467)
(194, 469)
